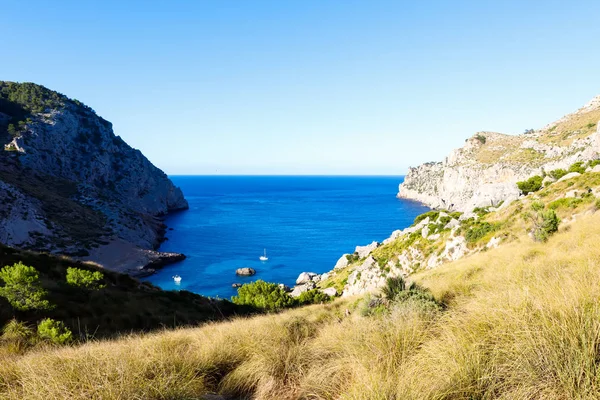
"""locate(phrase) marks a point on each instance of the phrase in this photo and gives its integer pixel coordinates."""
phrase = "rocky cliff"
(68, 185)
(485, 170)
(480, 204)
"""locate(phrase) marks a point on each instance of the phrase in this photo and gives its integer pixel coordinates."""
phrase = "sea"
(305, 223)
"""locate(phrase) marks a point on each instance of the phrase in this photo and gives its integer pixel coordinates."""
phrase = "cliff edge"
(69, 185)
(485, 170)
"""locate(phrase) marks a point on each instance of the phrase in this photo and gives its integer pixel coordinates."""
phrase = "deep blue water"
(305, 223)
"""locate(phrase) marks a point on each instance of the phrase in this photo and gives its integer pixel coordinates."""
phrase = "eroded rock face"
(485, 170)
(72, 186)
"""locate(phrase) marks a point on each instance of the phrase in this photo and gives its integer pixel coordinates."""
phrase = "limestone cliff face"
(485, 170)
(69, 185)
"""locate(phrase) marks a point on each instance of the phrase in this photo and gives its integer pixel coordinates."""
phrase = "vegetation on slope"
(520, 321)
(21, 101)
(93, 302)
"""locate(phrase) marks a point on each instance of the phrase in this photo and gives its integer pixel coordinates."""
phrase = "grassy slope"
(125, 305)
(506, 148)
(522, 321)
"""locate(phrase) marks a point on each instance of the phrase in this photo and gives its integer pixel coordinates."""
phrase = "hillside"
(484, 171)
(69, 186)
(519, 321)
(122, 305)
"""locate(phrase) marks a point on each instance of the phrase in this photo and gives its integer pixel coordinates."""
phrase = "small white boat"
(264, 256)
(177, 279)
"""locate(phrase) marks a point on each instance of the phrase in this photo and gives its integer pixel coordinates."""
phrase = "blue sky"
(307, 87)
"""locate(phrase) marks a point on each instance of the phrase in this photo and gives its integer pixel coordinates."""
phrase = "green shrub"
(432, 215)
(545, 222)
(593, 163)
(557, 173)
(263, 295)
(532, 184)
(481, 211)
(482, 139)
(54, 331)
(565, 202)
(313, 297)
(352, 257)
(22, 287)
(397, 291)
(84, 278)
(577, 167)
(393, 286)
(591, 125)
(478, 231)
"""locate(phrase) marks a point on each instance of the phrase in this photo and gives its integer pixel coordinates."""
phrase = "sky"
(303, 86)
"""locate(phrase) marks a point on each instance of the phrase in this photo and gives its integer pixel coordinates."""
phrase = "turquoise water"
(305, 223)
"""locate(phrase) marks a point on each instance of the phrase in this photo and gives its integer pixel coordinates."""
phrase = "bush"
(593, 163)
(545, 222)
(397, 291)
(393, 286)
(577, 167)
(263, 295)
(352, 257)
(482, 139)
(532, 184)
(84, 278)
(432, 215)
(478, 231)
(557, 173)
(314, 297)
(22, 287)
(481, 211)
(54, 331)
(565, 202)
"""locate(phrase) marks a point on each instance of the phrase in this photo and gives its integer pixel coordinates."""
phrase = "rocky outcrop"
(485, 170)
(69, 185)
(245, 271)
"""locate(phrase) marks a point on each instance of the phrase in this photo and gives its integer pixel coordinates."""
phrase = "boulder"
(597, 167)
(453, 223)
(236, 285)
(245, 271)
(493, 243)
(299, 289)
(305, 277)
(569, 176)
(342, 262)
(364, 251)
(330, 291)
(284, 287)
(548, 180)
(571, 193)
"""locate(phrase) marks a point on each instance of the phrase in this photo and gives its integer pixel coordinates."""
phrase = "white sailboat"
(177, 279)
(264, 256)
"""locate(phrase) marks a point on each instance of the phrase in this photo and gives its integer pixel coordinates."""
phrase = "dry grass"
(574, 127)
(523, 322)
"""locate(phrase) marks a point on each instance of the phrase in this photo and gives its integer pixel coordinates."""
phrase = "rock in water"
(245, 271)
(80, 190)
(236, 285)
